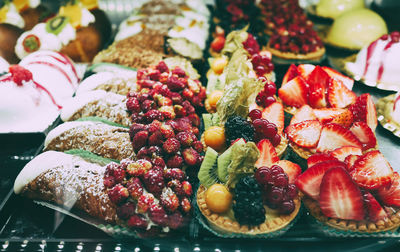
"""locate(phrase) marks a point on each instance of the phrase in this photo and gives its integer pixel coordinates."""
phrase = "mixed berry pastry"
(352, 192)
(375, 63)
(136, 194)
(247, 191)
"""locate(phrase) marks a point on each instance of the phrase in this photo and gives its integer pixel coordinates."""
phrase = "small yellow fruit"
(214, 98)
(219, 64)
(215, 137)
(218, 198)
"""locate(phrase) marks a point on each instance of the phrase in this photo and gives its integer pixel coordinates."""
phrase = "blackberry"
(238, 127)
(248, 204)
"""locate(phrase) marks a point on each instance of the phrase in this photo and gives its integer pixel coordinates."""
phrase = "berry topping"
(334, 136)
(268, 154)
(238, 127)
(294, 93)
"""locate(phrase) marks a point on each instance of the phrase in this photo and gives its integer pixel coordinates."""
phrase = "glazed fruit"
(218, 198)
(215, 137)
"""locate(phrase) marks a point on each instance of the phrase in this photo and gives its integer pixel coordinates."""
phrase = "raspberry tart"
(247, 191)
(357, 194)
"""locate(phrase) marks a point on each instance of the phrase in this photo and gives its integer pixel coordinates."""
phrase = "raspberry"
(141, 74)
(167, 131)
(118, 193)
(135, 128)
(198, 146)
(154, 75)
(169, 200)
(126, 210)
(152, 115)
(179, 111)
(154, 151)
(20, 74)
(184, 138)
(154, 126)
(137, 221)
(171, 146)
(146, 83)
(191, 156)
(167, 112)
(138, 168)
(147, 105)
(136, 118)
(119, 175)
(154, 181)
(132, 104)
(179, 71)
(143, 97)
(202, 94)
(125, 162)
(195, 119)
(187, 94)
(174, 173)
(182, 124)
(135, 188)
(156, 139)
(177, 187)
(185, 205)
(144, 202)
(175, 161)
(163, 101)
(157, 215)
(162, 67)
(187, 188)
(175, 220)
(188, 107)
(158, 161)
(108, 181)
(164, 77)
(139, 140)
(176, 98)
(142, 153)
(194, 86)
(174, 84)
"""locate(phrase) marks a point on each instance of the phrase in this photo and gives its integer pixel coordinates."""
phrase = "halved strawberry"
(305, 133)
(339, 96)
(390, 195)
(274, 113)
(290, 74)
(364, 111)
(291, 169)
(375, 211)
(342, 152)
(372, 171)
(340, 197)
(364, 134)
(345, 119)
(309, 181)
(318, 83)
(305, 70)
(294, 93)
(303, 114)
(319, 158)
(334, 136)
(268, 154)
(347, 81)
(350, 160)
(326, 115)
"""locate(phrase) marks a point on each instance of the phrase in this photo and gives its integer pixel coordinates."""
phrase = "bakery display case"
(199, 125)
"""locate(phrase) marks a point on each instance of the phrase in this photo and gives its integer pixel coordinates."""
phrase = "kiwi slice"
(207, 173)
(56, 24)
(210, 120)
(223, 162)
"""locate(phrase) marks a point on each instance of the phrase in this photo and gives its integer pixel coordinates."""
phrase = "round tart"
(222, 224)
(315, 55)
(384, 111)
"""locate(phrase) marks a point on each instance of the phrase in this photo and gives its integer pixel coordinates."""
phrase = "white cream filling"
(93, 81)
(13, 17)
(87, 17)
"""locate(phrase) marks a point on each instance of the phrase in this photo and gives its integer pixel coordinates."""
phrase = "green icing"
(91, 157)
(102, 120)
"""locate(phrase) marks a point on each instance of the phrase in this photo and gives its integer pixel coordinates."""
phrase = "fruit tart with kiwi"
(247, 191)
(352, 194)
(327, 130)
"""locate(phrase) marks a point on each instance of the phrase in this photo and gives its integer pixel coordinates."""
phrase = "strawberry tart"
(33, 91)
(376, 64)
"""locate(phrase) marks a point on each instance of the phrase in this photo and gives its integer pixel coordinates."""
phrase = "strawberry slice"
(347, 81)
(309, 181)
(345, 119)
(290, 74)
(390, 195)
(334, 136)
(318, 83)
(364, 111)
(303, 114)
(326, 115)
(350, 160)
(319, 158)
(305, 70)
(294, 93)
(305, 133)
(364, 134)
(340, 197)
(375, 211)
(372, 171)
(339, 96)
(274, 114)
(268, 154)
(342, 152)
(291, 169)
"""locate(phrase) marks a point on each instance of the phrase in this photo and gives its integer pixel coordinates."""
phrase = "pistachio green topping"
(90, 157)
(102, 120)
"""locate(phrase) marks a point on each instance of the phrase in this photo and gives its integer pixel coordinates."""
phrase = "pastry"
(33, 92)
(355, 193)
(375, 63)
(146, 199)
(74, 32)
(355, 29)
(237, 200)
(99, 138)
(388, 110)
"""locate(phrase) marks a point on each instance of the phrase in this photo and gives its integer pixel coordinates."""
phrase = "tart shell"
(384, 109)
(289, 55)
(389, 224)
(224, 225)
